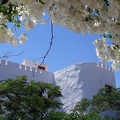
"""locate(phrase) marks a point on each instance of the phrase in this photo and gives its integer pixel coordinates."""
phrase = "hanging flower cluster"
(108, 52)
(93, 16)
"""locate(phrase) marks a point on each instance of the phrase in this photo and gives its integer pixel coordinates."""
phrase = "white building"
(37, 72)
(83, 81)
(77, 81)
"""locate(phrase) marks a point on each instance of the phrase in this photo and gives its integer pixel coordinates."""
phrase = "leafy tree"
(81, 107)
(76, 116)
(104, 100)
(23, 100)
(20, 99)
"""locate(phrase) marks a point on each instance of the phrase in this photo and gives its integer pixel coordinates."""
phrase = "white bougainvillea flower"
(103, 13)
(24, 2)
(56, 0)
(15, 43)
(3, 38)
(113, 13)
(43, 14)
(37, 9)
(15, 1)
(26, 14)
(23, 38)
(2, 18)
(43, 21)
(11, 38)
(30, 24)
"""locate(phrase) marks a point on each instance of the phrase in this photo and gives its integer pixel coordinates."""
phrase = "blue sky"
(68, 48)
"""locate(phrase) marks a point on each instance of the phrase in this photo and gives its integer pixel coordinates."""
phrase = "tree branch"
(8, 54)
(50, 46)
(2, 80)
(14, 101)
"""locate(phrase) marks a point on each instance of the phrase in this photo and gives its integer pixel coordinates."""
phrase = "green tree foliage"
(81, 107)
(105, 100)
(76, 116)
(23, 100)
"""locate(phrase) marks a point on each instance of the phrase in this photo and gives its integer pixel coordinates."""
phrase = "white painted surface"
(11, 70)
(34, 64)
(82, 81)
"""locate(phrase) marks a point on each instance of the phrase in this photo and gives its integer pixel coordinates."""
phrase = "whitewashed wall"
(82, 81)
(11, 70)
(77, 81)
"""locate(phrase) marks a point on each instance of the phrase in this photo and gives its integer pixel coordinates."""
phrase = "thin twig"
(52, 37)
(2, 80)
(51, 41)
(8, 54)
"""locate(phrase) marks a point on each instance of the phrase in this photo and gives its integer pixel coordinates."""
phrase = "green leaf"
(104, 36)
(110, 36)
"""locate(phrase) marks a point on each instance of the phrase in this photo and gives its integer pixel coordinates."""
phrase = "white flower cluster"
(84, 15)
(78, 15)
(107, 52)
(93, 16)
(29, 13)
